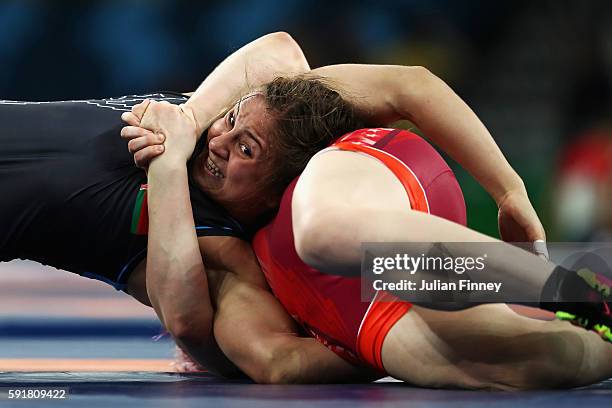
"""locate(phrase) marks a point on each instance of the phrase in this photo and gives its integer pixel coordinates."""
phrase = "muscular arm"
(382, 94)
(251, 66)
(176, 281)
(250, 326)
(256, 333)
(387, 93)
(175, 278)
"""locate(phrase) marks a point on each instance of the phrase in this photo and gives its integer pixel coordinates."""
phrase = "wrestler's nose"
(219, 145)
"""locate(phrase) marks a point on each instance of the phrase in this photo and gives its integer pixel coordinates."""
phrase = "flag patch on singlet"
(140, 215)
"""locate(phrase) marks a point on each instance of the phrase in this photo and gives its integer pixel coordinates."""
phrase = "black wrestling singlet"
(69, 188)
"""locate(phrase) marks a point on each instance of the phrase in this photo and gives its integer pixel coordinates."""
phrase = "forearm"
(176, 279)
(309, 362)
(386, 93)
(248, 68)
(450, 124)
(258, 335)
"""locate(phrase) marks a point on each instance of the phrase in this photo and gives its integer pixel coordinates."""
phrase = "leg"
(344, 198)
(490, 346)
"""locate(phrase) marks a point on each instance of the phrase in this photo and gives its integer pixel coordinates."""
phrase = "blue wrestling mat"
(202, 390)
(102, 349)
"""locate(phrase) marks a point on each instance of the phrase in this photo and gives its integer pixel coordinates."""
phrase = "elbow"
(421, 70)
(416, 74)
(282, 38)
(414, 90)
(189, 330)
(289, 52)
(280, 368)
(280, 376)
(272, 375)
(268, 360)
(179, 294)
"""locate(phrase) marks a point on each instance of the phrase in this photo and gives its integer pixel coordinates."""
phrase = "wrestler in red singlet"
(329, 307)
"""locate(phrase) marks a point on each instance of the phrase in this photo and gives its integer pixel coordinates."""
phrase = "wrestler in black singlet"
(68, 188)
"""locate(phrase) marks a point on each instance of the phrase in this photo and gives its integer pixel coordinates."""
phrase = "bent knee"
(323, 238)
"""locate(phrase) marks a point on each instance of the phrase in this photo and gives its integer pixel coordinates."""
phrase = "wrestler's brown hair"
(309, 115)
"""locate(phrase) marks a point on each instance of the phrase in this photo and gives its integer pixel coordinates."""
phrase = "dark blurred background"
(539, 74)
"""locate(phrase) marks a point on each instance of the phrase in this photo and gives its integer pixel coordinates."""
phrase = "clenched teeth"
(213, 168)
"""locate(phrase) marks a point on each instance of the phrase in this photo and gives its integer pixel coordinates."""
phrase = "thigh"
(488, 346)
(342, 178)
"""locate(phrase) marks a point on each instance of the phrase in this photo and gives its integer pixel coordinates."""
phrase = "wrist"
(167, 166)
(191, 113)
(203, 114)
(516, 185)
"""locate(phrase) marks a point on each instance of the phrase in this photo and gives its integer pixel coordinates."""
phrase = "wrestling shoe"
(587, 323)
(592, 311)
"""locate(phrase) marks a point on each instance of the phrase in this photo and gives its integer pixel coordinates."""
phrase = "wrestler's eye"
(231, 118)
(246, 150)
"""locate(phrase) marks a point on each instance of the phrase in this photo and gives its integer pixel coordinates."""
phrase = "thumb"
(540, 249)
(139, 109)
(535, 230)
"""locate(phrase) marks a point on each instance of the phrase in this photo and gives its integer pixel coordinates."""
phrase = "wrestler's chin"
(204, 179)
(200, 175)
(211, 183)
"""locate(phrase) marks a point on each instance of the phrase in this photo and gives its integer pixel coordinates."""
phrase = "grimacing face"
(231, 170)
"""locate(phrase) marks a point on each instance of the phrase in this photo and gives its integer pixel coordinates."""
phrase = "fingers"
(142, 142)
(540, 248)
(153, 114)
(131, 132)
(143, 157)
(537, 235)
(130, 119)
(533, 226)
(139, 109)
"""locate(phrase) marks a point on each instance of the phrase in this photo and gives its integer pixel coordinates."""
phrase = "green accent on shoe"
(604, 331)
(577, 320)
(565, 316)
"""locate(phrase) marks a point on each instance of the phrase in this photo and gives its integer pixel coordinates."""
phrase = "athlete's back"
(69, 186)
